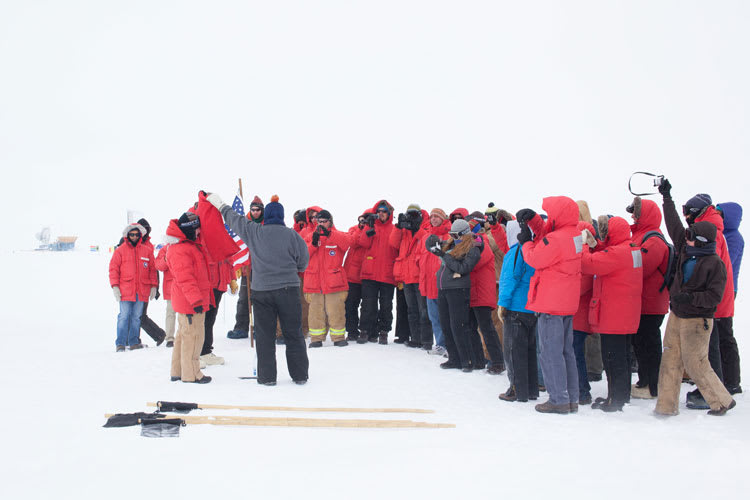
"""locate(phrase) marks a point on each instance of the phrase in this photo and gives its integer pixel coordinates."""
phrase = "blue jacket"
(514, 281)
(735, 243)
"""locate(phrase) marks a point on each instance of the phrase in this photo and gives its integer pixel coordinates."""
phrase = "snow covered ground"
(62, 375)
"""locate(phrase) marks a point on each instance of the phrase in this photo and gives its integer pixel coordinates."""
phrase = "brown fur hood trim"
(603, 222)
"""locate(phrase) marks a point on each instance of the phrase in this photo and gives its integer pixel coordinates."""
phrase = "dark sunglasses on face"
(456, 216)
(255, 209)
(382, 211)
(134, 235)
(322, 221)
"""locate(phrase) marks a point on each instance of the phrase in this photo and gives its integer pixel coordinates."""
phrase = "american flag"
(240, 258)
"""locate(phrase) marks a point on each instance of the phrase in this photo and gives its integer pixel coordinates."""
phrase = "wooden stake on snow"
(300, 408)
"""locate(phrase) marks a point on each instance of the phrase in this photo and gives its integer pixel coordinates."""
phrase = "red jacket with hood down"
(325, 273)
(726, 306)
(132, 268)
(555, 254)
(409, 245)
(429, 263)
(188, 262)
(483, 283)
(161, 265)
(655, 256)
(618, 281)
(377, 264)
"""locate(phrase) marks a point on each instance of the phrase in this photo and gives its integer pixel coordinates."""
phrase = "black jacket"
(451, 266)
(706, 284)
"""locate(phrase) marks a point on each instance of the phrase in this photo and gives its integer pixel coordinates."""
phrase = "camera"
(370, 219)
(491, 218)
(658, 181)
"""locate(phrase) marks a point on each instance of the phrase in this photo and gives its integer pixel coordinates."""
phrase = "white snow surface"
(63, 375)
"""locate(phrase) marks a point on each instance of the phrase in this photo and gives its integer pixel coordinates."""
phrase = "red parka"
(132, 268)
(483, 283)
(618, 282)
(429, 264)
(501, 237)
(161, 265)
(325, 273)
(726, 306)
(220, 274)
(409, 245)
(377, 264)
(581, 317)
(460, 211)
(655, 254)
(188, 262)
(555, 254)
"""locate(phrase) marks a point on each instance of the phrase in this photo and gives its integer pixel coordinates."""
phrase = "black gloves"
(316, 238)
(370, 232)
(371, 221)
(525, 234)
(434, 245)
(683, 298)
(525, 215)
(198, 309)
(665, 188)
(400, 223)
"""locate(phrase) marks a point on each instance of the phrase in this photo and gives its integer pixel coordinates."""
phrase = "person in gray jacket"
(279, 254)
(459, 254)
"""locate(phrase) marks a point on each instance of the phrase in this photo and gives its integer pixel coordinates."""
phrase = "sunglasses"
(382, 211)
(456, 216)
(255, 209)
(686, 210)
(134, 234)
(322, 221)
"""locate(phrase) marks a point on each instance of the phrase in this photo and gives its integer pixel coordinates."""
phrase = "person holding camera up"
(695, 294)
(325, 285)
(353, 268)
(429, 264)
(555, 254)
(378, 283)
(408, 237)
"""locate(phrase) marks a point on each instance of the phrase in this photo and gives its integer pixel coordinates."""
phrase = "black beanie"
(324, 214)
(188, 223)
(695, 204)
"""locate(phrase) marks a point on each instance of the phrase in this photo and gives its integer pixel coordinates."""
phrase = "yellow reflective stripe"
(333, 331)
(312, 331)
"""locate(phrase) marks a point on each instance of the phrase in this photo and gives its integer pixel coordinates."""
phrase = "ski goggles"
(690, 235)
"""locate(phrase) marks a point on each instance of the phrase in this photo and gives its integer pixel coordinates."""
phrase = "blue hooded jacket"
(515, 276)
(735, 242)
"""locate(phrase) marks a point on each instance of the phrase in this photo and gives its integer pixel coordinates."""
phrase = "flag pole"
(247, 280)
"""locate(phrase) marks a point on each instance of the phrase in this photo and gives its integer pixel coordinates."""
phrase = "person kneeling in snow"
(191, 296)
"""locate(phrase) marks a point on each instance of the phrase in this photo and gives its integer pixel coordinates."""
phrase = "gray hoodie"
(278, 253)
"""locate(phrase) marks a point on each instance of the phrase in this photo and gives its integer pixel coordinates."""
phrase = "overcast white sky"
(108, 105)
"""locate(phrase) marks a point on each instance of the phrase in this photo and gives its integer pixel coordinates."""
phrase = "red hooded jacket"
(581, 317)
(309, 226)
(356, 253)
(555, 254)
(655, 259)
(406, 267)
(618, 282)
(188, 262)
(325, 273)
(483, 284)
(429, 264)
(501, 237)
(726, 306)
(132, 268)
(377, 264)
(161, 265)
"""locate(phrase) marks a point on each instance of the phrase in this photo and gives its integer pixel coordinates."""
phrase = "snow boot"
(573, 407)
(734, 390)
(206, 379)
(549, 407)
(315, 343)
(299, 382)
(509, 395)
(174, 379)
(136, 346)
(383, 338)
(341, 343)
(495, 369)
(695, 401)
(449, 364)
(237, 334)
(363, 337)
(399, 340)
(212, 359)
(170, 343)
(120, 348)
(641, 392)
(723, 410)
(411, 343)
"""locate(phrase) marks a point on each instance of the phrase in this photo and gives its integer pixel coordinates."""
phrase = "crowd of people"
(553, 298)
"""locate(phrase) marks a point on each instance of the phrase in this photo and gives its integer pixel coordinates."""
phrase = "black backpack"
(671, 260)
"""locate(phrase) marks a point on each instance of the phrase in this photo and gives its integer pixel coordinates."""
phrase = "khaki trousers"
(170, 321)
(187, 347)
(330, 306)
(686, 346)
